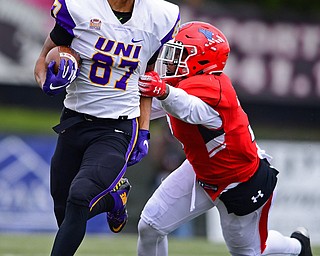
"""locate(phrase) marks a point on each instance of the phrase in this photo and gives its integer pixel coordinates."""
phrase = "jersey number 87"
(105, 62)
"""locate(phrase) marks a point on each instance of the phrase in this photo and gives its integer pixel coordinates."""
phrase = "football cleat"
(302, 235)
(118, 217)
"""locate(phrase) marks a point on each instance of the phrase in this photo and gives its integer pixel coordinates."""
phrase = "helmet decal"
(208, 34)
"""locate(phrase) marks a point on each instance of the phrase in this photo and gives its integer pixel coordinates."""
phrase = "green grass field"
(113, 245)
(94, 245)
(26, 121)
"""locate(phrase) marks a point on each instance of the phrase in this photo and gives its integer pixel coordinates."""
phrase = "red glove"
(151, 85)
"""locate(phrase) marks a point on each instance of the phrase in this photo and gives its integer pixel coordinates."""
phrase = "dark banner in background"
(272, 60)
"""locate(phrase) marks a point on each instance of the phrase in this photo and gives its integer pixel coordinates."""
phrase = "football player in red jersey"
(224, 166)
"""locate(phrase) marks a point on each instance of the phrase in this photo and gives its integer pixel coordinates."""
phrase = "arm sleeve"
(60, 36)
(156, 109)
(190, 109)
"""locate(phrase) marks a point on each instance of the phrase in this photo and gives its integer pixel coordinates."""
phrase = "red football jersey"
(219, 156)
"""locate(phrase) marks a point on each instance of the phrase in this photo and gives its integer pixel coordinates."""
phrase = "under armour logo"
(157, 90)
(254, 198)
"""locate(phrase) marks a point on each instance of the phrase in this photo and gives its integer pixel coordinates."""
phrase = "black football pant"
(89, 160)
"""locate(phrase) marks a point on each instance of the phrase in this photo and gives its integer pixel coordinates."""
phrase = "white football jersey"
(114, 54)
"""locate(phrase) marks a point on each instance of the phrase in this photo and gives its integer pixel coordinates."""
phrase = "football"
(63, 52)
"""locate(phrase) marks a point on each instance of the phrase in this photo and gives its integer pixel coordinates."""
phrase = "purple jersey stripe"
(63, 17)
(122, 172)
(169, 36)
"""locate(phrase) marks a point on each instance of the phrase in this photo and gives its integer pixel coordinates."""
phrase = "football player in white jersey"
(104, 123)
(224, 168)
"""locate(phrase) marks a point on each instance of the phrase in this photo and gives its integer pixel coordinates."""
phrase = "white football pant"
(180, 199)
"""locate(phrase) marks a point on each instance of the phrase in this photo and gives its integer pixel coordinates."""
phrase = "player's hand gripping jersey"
(113, 52)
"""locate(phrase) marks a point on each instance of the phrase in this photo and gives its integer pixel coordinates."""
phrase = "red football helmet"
(198, 48)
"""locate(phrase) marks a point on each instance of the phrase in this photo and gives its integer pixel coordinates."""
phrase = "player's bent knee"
(143, 228)
(151, 241)
(78, 193)
(147, 232)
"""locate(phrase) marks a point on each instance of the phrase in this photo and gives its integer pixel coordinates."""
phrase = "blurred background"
(274, 65)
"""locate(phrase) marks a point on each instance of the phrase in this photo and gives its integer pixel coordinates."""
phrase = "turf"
(113, 245)
(27, 121)
(94, 245)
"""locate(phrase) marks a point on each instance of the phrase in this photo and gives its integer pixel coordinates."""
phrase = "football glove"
(56, 83)
(141, 148)
(151, 85)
